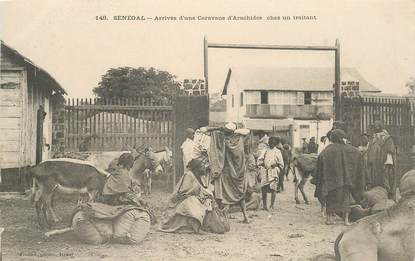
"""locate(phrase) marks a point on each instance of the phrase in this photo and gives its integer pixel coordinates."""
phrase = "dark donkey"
(69, 176)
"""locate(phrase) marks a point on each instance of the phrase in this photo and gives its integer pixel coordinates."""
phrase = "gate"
(112, 124)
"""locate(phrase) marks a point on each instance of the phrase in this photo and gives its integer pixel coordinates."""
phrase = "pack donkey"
(70, 176)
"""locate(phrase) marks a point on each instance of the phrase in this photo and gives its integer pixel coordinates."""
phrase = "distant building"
(27, 95)
(194, 87)
(295, 100)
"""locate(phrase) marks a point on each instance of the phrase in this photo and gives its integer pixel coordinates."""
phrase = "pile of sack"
(374, 201)
(97, 223)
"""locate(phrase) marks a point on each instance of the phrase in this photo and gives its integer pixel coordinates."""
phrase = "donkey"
(302, 165)
(142, 173)
(69, 176)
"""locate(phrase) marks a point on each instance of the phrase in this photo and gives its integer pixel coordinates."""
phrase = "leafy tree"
(411, 85)
(143, 82)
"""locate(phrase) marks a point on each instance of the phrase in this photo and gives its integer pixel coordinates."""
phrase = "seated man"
(190, 201)
(119, 182)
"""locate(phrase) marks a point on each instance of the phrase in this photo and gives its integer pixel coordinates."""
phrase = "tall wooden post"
(337, 95)
(205, 64)
(205, 70)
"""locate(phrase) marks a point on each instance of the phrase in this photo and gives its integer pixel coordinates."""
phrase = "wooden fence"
(397, 115)
(112, 124)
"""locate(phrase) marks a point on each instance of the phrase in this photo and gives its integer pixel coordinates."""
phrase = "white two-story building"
(294, 102)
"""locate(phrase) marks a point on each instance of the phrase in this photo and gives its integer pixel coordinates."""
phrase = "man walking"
(381, 160)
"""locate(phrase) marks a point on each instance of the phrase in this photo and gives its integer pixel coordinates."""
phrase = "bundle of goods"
(373, 196)
(72, 155)
(306, 163)
(97, 223)
(216, 221)
(407, 184)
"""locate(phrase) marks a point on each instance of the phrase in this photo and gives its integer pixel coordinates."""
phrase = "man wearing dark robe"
(381, 161)
(338, 177)
(312, 146)
(227, 156)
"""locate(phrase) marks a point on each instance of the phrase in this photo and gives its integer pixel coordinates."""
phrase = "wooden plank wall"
(397, 115)
(10, 119)
(112, 124)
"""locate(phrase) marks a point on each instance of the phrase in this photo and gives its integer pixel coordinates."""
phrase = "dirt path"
(291, 232)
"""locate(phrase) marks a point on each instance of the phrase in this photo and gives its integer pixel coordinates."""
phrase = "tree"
(411, 85)
(143, 82)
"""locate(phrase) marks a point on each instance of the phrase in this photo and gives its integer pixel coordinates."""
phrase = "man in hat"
(381, 161)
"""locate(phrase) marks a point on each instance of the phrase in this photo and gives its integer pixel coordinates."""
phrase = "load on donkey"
(116, 192)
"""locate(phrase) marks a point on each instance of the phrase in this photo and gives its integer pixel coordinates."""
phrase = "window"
(233, 100)
(264, 97)
(242, 99)
(307, 97)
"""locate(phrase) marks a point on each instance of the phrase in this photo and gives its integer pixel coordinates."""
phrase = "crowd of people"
(223, 170)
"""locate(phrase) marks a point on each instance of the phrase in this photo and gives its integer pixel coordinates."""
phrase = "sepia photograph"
(207, 130)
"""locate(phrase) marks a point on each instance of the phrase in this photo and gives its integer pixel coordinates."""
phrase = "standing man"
(312, 146)
(323, 143)
(188, 147)
(305, 146)
(381, 161)
(272, 162)
(338, 177)
(227, 158)
(286, 156)
(263, 142)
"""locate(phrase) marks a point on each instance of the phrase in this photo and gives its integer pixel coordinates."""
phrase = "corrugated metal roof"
(43, 73)
(292, 78)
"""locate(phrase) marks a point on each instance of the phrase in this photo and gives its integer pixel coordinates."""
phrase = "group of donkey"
(71, 176)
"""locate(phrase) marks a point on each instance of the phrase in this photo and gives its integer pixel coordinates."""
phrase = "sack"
(381, 206)
(407, 184)
(216, 221)
(373, 196)
(91, 231)
(131, 227)
(307, 162)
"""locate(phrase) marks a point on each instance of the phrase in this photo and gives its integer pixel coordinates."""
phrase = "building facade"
(295, 99)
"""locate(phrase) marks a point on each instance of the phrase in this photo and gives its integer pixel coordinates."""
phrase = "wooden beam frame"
(336, 49)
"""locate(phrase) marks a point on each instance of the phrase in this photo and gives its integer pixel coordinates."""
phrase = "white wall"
(234, 112)
(314, 130)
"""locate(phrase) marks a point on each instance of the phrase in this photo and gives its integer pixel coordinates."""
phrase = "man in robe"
(381, 161)
(190, 201)
(119, 182)
(227, 162)
(339, 176)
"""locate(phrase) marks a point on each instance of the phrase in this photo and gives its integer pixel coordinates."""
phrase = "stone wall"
(58, 124)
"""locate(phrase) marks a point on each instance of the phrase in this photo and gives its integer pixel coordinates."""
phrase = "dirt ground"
(291, 232)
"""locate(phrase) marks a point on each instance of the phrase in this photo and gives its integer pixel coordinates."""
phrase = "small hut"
(27, 95)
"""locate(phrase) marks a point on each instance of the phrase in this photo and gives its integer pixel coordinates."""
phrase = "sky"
(376, 37)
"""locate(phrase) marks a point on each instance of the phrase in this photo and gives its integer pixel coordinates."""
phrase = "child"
(272, 164)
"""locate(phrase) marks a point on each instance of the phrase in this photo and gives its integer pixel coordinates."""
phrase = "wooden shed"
(26, 95)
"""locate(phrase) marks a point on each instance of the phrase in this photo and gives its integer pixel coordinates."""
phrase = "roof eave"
(54, 83)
